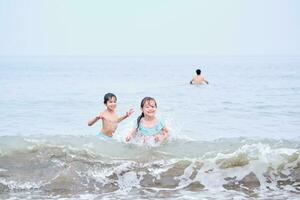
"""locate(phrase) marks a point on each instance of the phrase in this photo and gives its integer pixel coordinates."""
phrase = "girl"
(148, 126)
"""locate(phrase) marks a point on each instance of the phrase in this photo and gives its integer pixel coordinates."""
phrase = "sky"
(149, 27)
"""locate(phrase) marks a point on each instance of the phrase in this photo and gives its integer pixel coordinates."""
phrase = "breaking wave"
(66, 166)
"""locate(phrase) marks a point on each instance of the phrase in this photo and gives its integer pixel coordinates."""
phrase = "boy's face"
(111, 104)
(149, 108)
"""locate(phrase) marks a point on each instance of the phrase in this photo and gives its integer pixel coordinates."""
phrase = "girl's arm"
(131, 134)
(165, 132)
(126, 115)
(95, 119)
(163, 135)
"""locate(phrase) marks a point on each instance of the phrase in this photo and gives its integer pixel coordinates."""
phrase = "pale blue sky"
(149, 27)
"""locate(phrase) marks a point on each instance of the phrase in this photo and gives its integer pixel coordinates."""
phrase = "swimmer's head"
(198, 71)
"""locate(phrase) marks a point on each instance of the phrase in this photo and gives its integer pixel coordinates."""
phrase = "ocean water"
(236, 138)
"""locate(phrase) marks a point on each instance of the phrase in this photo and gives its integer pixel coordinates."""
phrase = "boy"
(109, 117)
(198, 79)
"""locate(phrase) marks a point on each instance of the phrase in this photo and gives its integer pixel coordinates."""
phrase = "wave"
(80, 164)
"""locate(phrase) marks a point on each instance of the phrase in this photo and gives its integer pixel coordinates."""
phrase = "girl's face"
(149, 108)
(111, 104)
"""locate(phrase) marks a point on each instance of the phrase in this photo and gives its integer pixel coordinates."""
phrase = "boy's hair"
(109, 96)
(198, 71)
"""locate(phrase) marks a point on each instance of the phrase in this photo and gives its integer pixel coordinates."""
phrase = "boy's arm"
(205, 80)
(126, 115)
(95, 119)
(191, 82)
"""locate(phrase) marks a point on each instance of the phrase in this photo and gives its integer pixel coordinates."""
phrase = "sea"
(237, 137)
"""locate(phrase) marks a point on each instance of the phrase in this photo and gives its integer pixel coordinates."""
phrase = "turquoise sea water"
(245, 122)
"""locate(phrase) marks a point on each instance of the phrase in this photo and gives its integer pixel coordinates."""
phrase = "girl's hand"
(131, 134)
(157, 138)
(130, 112)
(128, 138)
(162, 135)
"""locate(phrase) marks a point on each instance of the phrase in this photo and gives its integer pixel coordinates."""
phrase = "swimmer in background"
(148, 126)
(110, 119)
(198, 79)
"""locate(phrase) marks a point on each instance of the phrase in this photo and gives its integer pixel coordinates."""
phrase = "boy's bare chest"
(110, 117)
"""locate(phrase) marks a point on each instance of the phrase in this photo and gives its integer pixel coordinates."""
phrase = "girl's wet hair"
(146, 99)
(109, 96)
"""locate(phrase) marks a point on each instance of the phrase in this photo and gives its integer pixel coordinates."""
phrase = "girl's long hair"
(146, 99)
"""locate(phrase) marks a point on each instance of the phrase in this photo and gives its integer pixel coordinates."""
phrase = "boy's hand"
(100, 116)
(129, 112)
